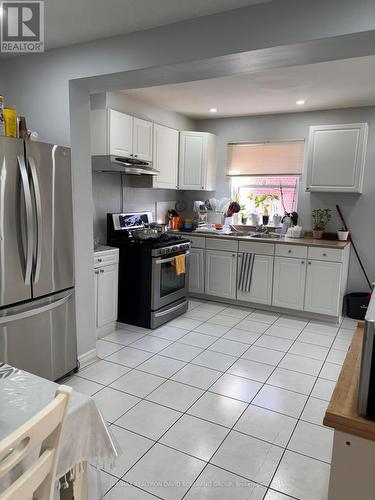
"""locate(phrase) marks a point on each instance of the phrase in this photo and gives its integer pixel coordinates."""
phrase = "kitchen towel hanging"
(180, 264)
(246, 271)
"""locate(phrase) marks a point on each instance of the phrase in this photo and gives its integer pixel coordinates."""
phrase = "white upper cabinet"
(118, 134)
(165, 157)
(197, 165)
(142, 139)
(336, 158)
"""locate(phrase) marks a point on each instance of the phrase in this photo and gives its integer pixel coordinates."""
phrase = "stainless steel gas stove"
(150, 290)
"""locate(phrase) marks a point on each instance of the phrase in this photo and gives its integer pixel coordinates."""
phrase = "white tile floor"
(223, 402)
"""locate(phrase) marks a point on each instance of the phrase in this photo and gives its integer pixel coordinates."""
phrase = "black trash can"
(357, 304)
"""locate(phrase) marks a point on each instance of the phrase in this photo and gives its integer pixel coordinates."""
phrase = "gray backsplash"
(136, 193)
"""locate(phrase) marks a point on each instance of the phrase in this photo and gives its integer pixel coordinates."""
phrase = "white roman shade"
(265, 158)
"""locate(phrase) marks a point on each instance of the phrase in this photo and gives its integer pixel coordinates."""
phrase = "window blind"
(265, 158)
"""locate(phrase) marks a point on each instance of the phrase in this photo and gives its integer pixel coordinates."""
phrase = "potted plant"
(342, 234)
(321, 217)
(243, 214)
(265, 201)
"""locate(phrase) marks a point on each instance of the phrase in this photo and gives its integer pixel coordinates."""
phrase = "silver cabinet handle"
(29, 219)
(302, 261)
(39, 222)
(289, 251)
(135, 156)
(96, 272)
(324, 255)
(100, 260)
(102, 270)
(309, 263)
(233, 254)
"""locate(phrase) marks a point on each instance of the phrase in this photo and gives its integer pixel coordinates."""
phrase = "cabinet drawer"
(330, 254)
(298, 251)
(105, 258)
(257, 248)
(197, 241)
(217, 244)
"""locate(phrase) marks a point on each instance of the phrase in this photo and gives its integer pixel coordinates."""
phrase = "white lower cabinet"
(289, 282)
(196, 270)
(106, 291)
(261, 280)
(221, 273)
(322, 287)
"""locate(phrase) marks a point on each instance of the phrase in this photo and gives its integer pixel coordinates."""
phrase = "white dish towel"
(246, 272)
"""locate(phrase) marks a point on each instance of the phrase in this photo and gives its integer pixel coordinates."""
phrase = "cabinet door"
(196, 270)
(120, 133)
(323, 287)
(96, 283)
(142, 139)
(107, 295)
(336, 158)
(192, 160)
(289, 282)
(221, 273)
(261, 280)
(165, 154)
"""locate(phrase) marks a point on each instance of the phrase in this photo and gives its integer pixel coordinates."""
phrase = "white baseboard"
(87, 358)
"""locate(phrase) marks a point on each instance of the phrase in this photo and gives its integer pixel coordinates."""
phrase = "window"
(265, 175)
(281, 194)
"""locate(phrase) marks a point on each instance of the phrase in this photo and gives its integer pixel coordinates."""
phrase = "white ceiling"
(327, 85)
(68, 22)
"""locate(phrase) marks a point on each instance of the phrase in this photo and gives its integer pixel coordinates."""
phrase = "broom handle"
(354, 247)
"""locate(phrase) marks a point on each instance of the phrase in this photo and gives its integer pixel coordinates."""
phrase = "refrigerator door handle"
(29, 219)
(37, 310)
(39, 222)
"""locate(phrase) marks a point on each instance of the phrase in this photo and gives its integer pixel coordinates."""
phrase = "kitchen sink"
(266, 236)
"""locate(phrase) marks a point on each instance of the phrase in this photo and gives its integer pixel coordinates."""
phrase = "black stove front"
(150, 290)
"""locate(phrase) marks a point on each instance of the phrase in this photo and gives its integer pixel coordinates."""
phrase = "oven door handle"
(172, 309)
(171, 259)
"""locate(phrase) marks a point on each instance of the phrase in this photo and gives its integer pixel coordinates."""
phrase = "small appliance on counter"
(153, 270)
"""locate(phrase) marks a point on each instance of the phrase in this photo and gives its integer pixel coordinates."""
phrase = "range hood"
(122, 165)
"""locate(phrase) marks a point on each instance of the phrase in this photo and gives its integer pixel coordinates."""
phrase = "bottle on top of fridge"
(2, 122)
(10, 116)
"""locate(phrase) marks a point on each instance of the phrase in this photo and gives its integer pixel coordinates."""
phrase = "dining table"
(87, 445)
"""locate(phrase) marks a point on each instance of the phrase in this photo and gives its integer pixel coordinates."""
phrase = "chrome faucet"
(259, 228)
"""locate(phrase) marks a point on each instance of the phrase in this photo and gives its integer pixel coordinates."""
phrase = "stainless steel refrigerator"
(37, 314)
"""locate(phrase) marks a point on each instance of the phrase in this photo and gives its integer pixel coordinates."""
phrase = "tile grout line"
(222, 373)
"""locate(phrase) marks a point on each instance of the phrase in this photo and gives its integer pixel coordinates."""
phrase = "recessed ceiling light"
(300, 102)
(212, 110)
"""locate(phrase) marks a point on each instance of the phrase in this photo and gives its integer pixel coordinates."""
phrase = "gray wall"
(135, 193)
(359, 210)
(44, 99)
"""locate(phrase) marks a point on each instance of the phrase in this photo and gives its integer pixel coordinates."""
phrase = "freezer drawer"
(40, 336)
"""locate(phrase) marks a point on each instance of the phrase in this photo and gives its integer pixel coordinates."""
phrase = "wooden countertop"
(283, 240)
(341, 413)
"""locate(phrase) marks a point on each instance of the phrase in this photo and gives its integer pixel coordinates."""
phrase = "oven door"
(167, 286)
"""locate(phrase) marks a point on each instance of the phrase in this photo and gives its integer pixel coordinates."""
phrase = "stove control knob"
(174, 249)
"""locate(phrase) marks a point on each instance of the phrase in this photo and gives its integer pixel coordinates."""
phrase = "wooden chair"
(44, 431)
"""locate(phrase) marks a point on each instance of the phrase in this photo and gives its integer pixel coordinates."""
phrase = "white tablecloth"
(85, 436)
